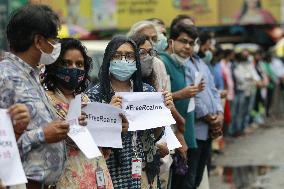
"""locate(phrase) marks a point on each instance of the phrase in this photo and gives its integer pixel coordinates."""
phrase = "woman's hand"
(168, 99)
(163, 149)
(20, 118)
(125, 123)
(116, 101)
(83, 119)
(106, 152)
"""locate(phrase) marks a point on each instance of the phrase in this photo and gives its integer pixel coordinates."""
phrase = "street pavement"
(261, 150)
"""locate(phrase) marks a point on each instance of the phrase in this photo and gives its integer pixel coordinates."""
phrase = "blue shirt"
(19, 83)
(206, 102)
(218, 76)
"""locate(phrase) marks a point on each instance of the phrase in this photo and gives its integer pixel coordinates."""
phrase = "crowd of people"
(41, 75)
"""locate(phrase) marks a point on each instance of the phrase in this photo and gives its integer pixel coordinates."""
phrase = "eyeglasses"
(144, 52)
(128, 56)
(185, 42)
(152, 39)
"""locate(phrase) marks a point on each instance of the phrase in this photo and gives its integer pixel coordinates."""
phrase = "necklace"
(61, 96)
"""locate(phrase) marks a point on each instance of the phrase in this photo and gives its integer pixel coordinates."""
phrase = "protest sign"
(80, 134)
(191, 104)
(104, 124)
(145, 110)
(11, 172)
(171, 139)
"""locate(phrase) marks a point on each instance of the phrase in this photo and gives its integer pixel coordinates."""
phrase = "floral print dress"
(79, 171)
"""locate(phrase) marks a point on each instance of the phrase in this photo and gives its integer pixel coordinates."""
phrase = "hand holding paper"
(80, 134)
(197, 81)
(145, 110)
(11, 172)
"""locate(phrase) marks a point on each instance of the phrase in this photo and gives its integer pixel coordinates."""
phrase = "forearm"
(177, 95)
(180, 121)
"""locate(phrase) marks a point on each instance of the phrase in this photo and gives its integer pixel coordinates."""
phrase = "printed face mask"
(69, 78)
(122, 69)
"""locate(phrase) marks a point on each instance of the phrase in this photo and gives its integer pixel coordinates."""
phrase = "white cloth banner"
(104, 124)
(80, 134)
(145, 110)
(11, 168)
(171, 139)
(191, 104)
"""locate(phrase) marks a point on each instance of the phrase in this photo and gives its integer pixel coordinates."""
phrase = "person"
(252, 13)
(182, 18)
(73, 63)
(121, 72)
(32, 43)
(246, 81)
(174, 59)
(205, 50)
(208, 110)
(147, 54)
(20, 118)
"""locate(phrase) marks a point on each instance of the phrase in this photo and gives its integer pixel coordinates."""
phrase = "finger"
(20, 116)
(15, 111)
(84, 104)
(83, 123)
(64, 125)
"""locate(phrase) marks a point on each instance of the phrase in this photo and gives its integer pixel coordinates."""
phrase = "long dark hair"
(49, 81)
(104, 77)
(140, 39)
(245, 8)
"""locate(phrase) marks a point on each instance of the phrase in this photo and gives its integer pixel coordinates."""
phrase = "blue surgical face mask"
(122, 69)
(208, 57)
(161, 44)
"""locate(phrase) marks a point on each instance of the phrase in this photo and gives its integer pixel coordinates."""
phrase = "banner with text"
(104, 124)
(11, 172)
(80, 134)
(145, 110)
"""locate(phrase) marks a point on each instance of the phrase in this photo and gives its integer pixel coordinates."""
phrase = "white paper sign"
(171, 139)
(11, 168)
(104, 124)
(191, 104)
(80, 134)
(145, 110)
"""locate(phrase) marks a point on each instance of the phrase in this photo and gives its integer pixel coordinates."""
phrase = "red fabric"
(227, 113)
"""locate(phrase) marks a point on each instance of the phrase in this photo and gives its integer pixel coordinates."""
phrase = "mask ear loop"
(173, 46)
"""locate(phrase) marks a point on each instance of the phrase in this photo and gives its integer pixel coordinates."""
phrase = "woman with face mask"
(63, 80)
(121, 72)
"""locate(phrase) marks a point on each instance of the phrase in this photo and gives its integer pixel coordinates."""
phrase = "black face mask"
(69, 78)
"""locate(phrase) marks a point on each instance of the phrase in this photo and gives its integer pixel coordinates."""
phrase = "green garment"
(272, 76)
(177, 77)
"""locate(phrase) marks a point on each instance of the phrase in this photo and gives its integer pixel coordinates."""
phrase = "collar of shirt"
(21, 64)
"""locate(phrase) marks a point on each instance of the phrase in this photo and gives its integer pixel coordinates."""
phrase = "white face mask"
(176, 57)
(46, 58)
(196, 45)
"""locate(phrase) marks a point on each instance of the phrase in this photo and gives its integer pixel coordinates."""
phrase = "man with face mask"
(205, 51)
(31, 33)
(208, 112)
(181, 46)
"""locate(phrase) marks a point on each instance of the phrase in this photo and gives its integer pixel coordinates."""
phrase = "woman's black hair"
(140, 39)
(104, 75)
(49, 81)
(245, 8)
